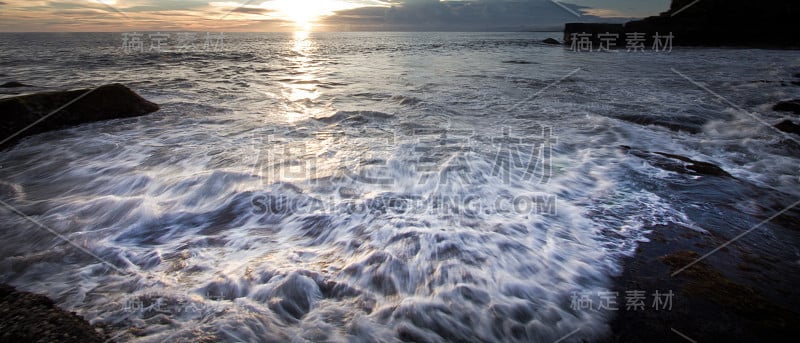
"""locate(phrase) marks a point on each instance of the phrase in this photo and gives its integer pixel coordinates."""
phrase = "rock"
(766, 23)
(79, 106)
(788, 106)
(551, 41)
(14, 84)
(677, 163)
(699, 167)
(690, 124)
(517, 62)
(788, 126)
(28, 317)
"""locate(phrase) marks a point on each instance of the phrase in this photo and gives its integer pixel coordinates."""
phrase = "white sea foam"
(365, 211)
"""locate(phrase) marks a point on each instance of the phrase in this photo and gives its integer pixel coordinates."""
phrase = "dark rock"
(677, 163)
(551, 41)
(788, 106)
(767, 23)
(690, 124)
(699, 167)
(13, 84)
(517, 62)
(28, 317)
(788, 126)
(79, 106)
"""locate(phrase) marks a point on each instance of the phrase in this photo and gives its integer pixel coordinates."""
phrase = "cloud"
(605, 13)
(489, 15)
(252, 10)
(362, 15)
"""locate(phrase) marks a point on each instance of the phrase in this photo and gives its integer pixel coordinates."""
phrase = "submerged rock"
(13, 84)
(551, 41)
(788, 106)
(788, 126)
(690, 124)
(677, 163)
(49, 111)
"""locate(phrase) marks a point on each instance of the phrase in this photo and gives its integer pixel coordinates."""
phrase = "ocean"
(365, 187)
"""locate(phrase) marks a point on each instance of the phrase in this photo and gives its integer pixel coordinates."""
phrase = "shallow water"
(377, 186)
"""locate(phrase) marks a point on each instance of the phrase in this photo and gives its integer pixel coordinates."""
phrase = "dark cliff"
(764, 23)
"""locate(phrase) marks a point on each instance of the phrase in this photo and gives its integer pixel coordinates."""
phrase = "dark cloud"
(479, 15)
(250, 10)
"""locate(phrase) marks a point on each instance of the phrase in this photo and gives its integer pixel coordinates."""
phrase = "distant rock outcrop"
(551, 41)
(30, 114)
(765, 23)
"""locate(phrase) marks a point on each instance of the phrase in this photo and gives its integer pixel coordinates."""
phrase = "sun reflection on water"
(301, 89)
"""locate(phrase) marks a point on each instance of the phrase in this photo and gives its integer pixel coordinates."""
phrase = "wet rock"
(517, 62)
(677, 163)
(551, 41)
(709, 283)
(690, 124)
(788, 106)
(28, 317)
(703, 168)
(788, 126)
(13, 84)
(49, 111)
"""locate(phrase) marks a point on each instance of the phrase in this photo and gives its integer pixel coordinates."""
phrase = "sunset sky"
(316, 15)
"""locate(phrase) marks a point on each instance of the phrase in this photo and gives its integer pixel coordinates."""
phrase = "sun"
(305, 12)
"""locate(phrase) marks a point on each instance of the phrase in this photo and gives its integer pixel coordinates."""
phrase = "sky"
(314, 15)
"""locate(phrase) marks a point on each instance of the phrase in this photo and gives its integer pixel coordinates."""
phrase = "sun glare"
(304, 13)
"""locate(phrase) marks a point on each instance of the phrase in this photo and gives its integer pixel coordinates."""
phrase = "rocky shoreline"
(734, 294)
(28, 317)
(733, 23)
(712, 302)
(712, 306)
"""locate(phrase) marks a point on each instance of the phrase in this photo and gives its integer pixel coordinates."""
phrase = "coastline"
(29, 317)
(725, 300)
(739, 310)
